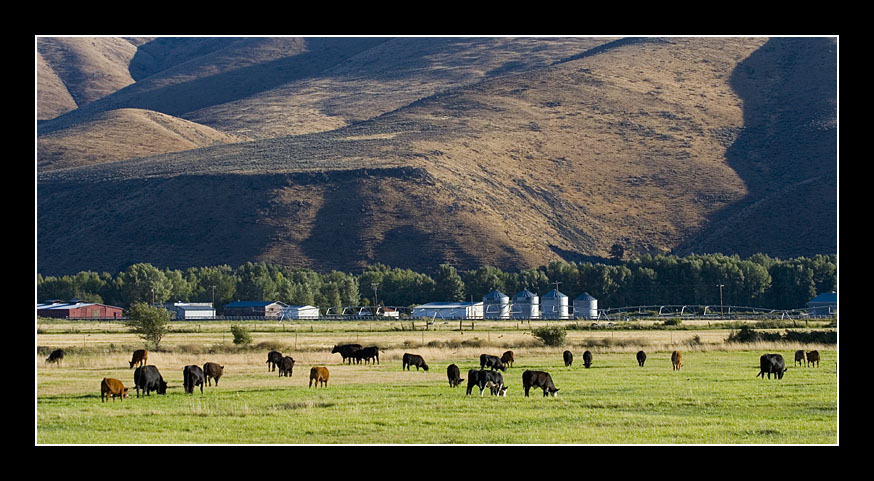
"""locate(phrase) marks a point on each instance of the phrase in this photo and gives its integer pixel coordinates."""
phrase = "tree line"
(713, 279)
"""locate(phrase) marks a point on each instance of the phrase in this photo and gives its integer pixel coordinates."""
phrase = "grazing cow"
(454, 375)
(507, 358)
(813, 357)
(149, 379)
(56, 356)
(274, 358)
(347, 351)
(539, 379)
(587, 359)
(414, 360)
(212, 370)
(486, 379)
(286, 366)
(677, 360)
(641, 358)
(192, 376)
(493, 362)
(799, 357)
(366, 354)
(319, 375)
(112, 388)
(139, 358)
(568, 358)
(771, 363)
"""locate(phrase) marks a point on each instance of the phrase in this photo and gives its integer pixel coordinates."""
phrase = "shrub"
(550, 335)
(241, 335)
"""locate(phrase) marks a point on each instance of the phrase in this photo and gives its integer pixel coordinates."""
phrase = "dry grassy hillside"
(656, 145)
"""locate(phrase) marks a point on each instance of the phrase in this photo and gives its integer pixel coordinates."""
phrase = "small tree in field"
(550, 335)
(149, 322)
(241, 335)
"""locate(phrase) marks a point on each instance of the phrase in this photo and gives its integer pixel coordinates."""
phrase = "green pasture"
(715, 399)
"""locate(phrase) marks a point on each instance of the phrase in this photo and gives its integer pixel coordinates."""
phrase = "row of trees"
(758, 281)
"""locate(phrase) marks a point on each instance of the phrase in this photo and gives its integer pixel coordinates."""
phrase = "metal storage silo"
(496, 305)
(526, 305)
(585, 307)
(554, 305)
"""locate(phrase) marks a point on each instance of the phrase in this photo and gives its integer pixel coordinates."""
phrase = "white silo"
(585, 307)
(554, 305)
(526, 305)
(496, 305)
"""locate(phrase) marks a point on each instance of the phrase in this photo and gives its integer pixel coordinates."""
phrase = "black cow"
(191, 377)
(568, 358)
(414, 360)
(366, 354)
(493, 362)
(212, 371)
(274, 358)
(56, 356)
(539, 379)
(149, 379)
(772, 363)
(799, 357)
(454, 375)
(346, 351)
(486, 379)
(641, 358)
(587, 359)
(286, 366)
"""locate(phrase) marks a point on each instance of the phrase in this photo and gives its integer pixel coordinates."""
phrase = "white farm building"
(300, 312)
(449, 310)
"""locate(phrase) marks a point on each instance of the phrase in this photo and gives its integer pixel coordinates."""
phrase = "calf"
(568, 358)
(813, 357)
(493, 362)
(677, 360)
(56, 356)
(286, 366)
(139, 358)
(414, 360)
(366, 354)
(486, 379)
(454, 375)
(771, 363)
(112, 388)
(274, 358)
(799, 357)
(212, 371)
(346, 351)
(192, 376)
(149, 379)
(641, 358)
(319, 375)
(539, 379)
(587, 359)
(507, 358)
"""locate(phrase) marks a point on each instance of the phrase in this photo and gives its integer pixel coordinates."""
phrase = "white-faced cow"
(112, 388)
(347, 351)
(274, 358)
(55, 357)
(212, 370)
(568, 358)
(192, 376)
(486, 379)
(492, 362)
(454, 375)
(641, 358)
(286, 366)
(539, 379)
(813, 357)
(771, 364)
(414, 360)
(139, 358)
(587, 359)
(149, 379)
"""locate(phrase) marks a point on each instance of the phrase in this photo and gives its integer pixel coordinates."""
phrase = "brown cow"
(507, 358)
(212, 370)
(320, 375)
(112, 388)
(813, 356)
(139, 358)
(677, 360)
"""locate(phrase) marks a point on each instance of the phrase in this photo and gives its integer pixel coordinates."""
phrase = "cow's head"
(162, 387)
(553, 391)
(424, 366)
(124, 393)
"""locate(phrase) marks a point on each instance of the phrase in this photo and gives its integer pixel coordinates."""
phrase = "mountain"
(337, 153)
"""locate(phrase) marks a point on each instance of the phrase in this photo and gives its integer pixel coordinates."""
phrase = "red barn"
(79, 310)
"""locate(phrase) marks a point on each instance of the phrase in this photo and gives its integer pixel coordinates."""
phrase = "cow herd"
(147, 377)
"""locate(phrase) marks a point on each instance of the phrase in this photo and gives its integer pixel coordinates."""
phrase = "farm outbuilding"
(192, 310)
(300, 312)
(526, 305)
(824, 304)
(79, 310)
(268, 309)
(585, 307)
(496, 305)
(554, 305)
(449, 310)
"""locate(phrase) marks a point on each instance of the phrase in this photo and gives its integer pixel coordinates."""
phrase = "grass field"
(715, 399)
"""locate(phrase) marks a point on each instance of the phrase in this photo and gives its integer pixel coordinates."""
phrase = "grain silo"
(554, 305)
(526, 305)
(496, 305)
(585, 307)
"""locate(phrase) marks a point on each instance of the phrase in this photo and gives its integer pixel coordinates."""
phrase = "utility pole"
(720, 286)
